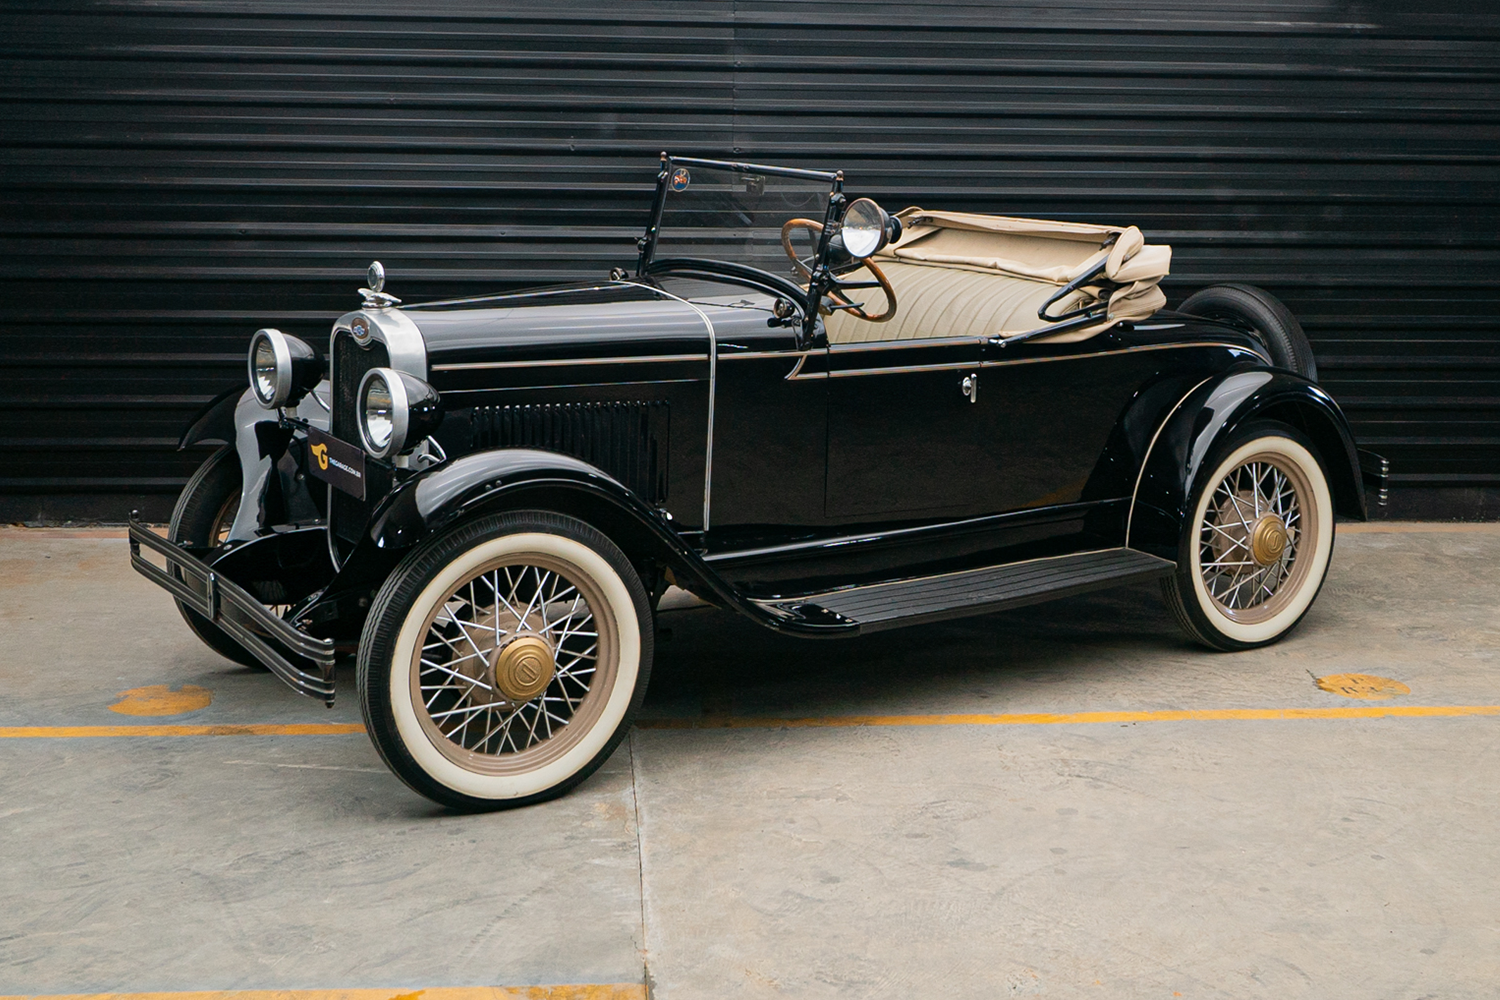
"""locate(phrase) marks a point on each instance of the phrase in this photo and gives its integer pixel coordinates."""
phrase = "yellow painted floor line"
(231, 729)
(591, 991)
(1417, 527)
(1077, 718)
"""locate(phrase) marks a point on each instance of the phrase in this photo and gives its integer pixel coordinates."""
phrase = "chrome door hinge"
(971, 387)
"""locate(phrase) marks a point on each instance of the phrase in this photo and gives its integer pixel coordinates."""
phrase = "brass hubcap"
(523, 667)
(1268, 540)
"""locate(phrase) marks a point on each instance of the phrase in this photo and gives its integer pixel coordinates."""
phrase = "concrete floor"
(1321, 857)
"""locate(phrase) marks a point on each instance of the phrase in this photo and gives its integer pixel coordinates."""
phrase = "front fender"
(430, 501)
(235, 416)
(1207, 416)
(526, 479)
(513, 478)
(215, 422)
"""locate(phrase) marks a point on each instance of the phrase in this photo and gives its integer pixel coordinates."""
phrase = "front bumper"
(302, 661)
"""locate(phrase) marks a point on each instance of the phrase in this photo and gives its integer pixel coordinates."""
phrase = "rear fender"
(1208, 415)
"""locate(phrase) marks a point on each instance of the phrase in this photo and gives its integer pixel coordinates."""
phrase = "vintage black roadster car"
(829, 419)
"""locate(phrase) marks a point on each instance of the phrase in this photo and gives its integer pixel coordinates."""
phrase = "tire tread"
(1272, 322)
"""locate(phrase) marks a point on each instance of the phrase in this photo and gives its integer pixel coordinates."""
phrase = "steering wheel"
(838, 298)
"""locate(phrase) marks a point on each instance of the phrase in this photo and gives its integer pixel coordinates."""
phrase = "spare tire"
(1261, 313)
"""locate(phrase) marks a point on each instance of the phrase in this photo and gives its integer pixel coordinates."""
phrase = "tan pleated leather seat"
(942, 302)
(959, 275)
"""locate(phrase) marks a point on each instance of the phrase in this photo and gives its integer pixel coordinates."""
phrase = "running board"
(878, 606)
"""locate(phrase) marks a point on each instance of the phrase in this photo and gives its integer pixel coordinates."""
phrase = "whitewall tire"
(502, 662)
(1256, 546)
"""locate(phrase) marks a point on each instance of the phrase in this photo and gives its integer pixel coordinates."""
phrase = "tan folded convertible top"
(957, 274)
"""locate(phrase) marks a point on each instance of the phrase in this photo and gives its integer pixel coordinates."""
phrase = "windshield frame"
(819, 277)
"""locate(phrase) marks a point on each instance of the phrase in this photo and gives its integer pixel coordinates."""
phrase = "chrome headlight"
(282, 369)
(867, 228)
(396, 411)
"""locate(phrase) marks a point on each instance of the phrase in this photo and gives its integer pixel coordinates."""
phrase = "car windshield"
(735, 213)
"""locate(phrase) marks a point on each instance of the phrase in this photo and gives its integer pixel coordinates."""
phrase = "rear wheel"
(1255, 551)
(1264, 315)
(204, 514)
(501, 663)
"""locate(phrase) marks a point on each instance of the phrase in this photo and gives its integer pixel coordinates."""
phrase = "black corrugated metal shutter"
(178, 174)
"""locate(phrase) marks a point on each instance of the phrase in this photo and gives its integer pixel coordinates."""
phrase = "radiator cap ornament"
(374, 294)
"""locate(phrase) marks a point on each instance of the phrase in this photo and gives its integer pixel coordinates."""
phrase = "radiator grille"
(346, 514)
(349, 364)
(630, 441)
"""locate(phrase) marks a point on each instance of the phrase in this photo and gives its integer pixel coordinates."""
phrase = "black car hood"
(615, 319)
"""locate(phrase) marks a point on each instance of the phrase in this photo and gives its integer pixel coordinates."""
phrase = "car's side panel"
(658, 422)
(770, 439)
(769, 427)
(1081, 414)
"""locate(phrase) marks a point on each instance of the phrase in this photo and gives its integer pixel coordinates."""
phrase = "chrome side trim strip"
(767, 354)
(854, 372)
(1122, 350)
(568, 385)
(796, 373)
(1141, 472)
(713, 384)
(898, 345)
(892, 370)
(464, 366)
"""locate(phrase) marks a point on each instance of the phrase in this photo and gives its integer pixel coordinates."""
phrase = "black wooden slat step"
(994, 588)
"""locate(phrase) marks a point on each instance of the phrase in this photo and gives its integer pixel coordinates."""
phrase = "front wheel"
(1255, 550)
(502, 662)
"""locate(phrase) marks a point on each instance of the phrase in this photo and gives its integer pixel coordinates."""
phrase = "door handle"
(970, 387)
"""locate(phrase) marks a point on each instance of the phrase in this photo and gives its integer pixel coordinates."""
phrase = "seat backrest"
(957, 274)
(942, 302)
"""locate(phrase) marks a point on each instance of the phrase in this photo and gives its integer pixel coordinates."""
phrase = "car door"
(1046, 413)
(904, 441)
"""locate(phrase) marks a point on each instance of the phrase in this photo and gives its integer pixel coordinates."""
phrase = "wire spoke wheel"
(508, 663)
(1250, 537)
(1255, 548)
(502, 661)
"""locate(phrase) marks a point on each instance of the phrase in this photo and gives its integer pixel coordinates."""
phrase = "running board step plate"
(977, 591)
